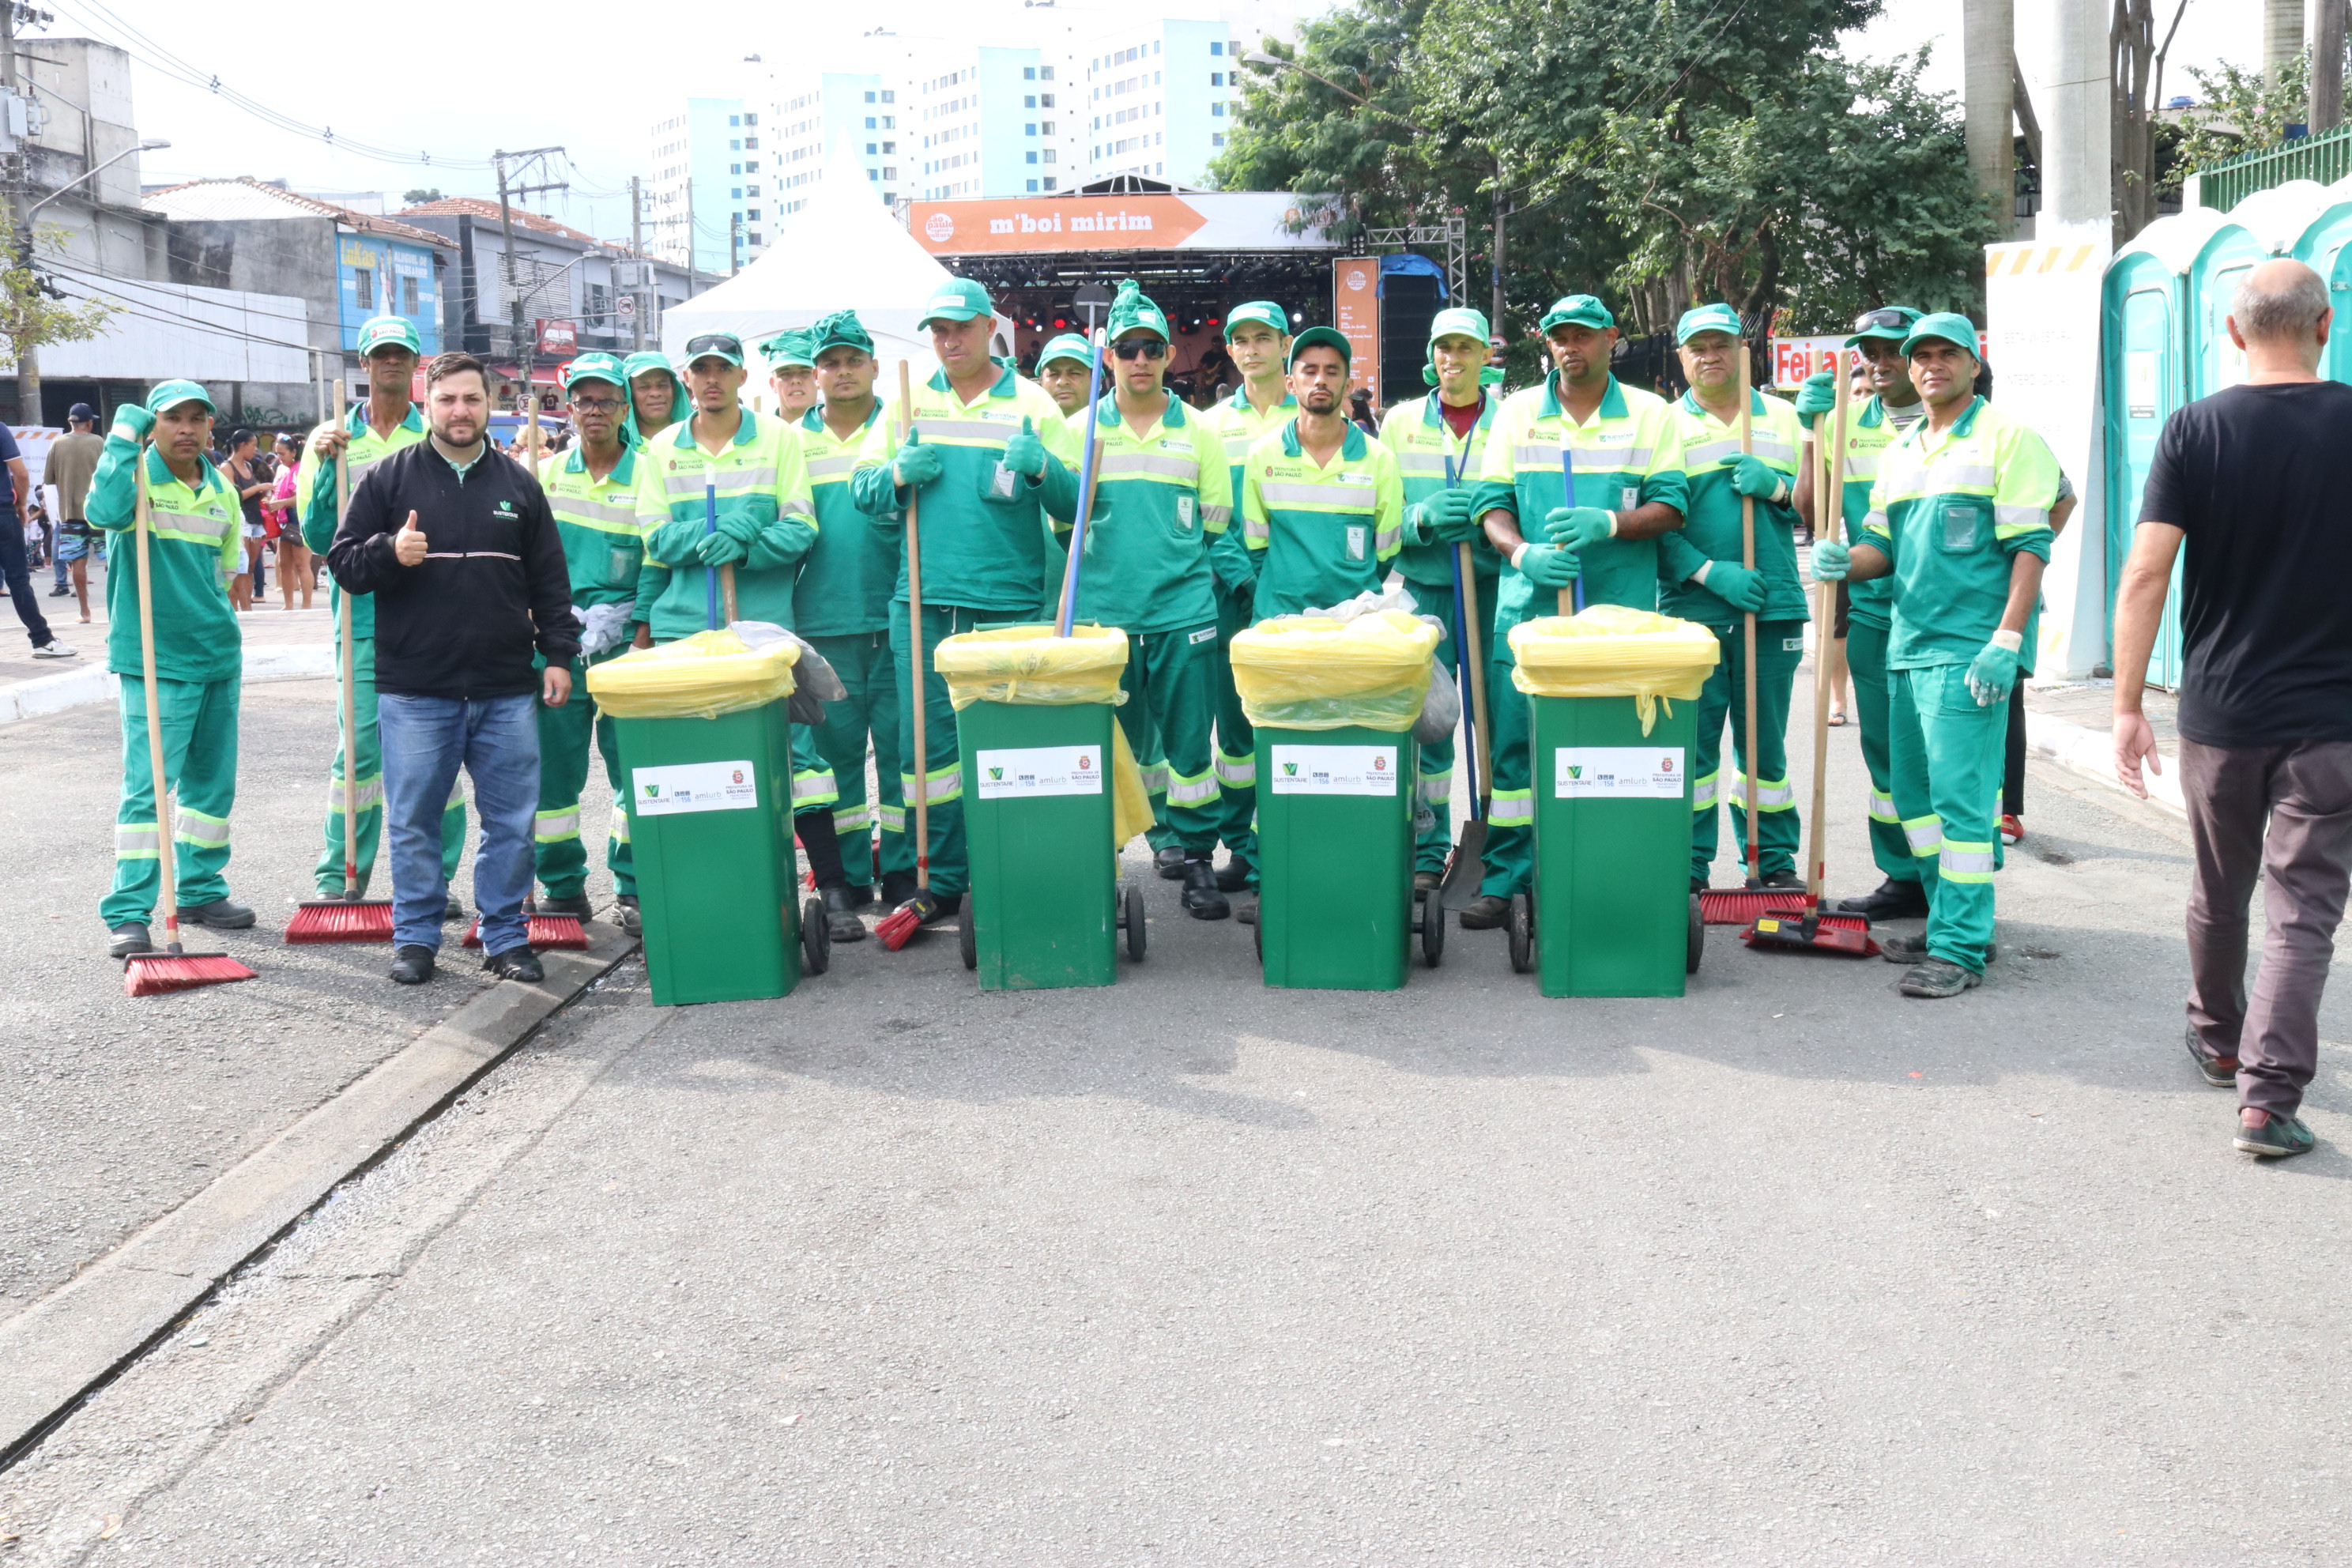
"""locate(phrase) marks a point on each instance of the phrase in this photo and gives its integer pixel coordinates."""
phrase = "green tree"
(31, 315)
(417, 198)
(2239, 109)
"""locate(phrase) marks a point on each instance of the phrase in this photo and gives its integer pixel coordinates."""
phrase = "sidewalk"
(2072, 724)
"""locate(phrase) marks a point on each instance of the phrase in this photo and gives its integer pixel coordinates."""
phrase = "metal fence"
(2327, 158)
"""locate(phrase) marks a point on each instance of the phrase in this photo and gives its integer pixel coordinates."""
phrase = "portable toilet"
(2325, 247)
(2264, 225)
(2145, 350)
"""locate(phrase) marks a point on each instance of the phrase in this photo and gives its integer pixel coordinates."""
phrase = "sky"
(590, 75)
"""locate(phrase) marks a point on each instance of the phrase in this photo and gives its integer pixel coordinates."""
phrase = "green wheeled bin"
(1034, 734)
(1333, 704)
(1614, 694)
(710, 825)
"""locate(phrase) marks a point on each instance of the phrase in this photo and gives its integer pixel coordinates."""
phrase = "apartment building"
(713, 180)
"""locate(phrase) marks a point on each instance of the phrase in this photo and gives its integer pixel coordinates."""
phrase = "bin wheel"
(968, 935)
(1431, 915)
(1131, 901)
(1697, 938)
(817, 939)
(1523, 933)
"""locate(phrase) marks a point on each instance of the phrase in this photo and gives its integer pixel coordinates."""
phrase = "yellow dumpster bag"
(1131, 805)
(1310, 672)
(1030, 666)
(1611, 650)
(700, 677)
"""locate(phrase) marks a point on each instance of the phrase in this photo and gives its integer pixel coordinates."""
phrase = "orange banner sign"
(1356, 311)
(1055, 223)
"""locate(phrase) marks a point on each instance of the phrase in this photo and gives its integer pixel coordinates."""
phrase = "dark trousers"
(20, 577)
(2284, 812)
(2012, 767)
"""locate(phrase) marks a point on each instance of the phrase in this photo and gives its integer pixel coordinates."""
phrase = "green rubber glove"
(1755, 477)
(1550, 566)
(1575, 527)
(1445, 517)
(1024, 454)
(742, 527)
(1736, 585)
(718, 550)
(916, 465)
(132, 422)
(1832, 560)
(1816, 397)
(1991, 674)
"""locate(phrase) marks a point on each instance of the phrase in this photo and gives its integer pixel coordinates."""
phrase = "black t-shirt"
(2254, 475)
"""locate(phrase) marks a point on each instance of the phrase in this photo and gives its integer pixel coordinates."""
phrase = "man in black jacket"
(468, 571)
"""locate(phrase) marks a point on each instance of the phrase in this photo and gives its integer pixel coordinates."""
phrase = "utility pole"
(1988, 89)
(2282, 36)
(734, 244)
(2327, 65)
(1502, 208)
(29, 356)
(691, 237)
(520, 339)
(638, 269)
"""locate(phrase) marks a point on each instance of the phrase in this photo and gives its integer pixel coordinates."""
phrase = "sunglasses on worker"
(1141, 348)
(1870, 318)
(713, 343)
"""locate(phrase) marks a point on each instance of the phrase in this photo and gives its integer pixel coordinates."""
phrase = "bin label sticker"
(1020, 772)
(1335, 769)
(1617, 772)
(694, 787)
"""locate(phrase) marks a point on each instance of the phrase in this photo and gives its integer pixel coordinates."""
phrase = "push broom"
(899, 927)
(1465, 866)
(542, 930)
(173, 969)
(1806, 927)
(349, 918)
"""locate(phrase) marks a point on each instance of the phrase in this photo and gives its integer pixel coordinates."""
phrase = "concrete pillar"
(2078, 176)
(1989, 82)
(2282, 35)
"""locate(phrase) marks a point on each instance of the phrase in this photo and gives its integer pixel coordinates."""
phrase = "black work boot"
(1485, 913)
(412, 964)
(898, 888)
(1170, 863)
(822, 844)
(1890, 900)
(629, 913)
(577, 905)
(129, 937)
(220, 914)
(1201, 895)
(1235, 874)
(841, 922)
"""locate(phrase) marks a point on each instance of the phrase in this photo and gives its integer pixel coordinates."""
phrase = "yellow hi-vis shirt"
(1321, 534)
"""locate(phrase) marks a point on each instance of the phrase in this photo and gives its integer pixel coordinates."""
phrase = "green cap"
(840, 330)
(788, 349)
(712, 345)
(1708, 319)
(1069, 345)
(1460, 322)
(1327, 337)
(595, 367)
(957, 300)
(638, 364)
(1262, 313)
(1132, 309)
(1892, 323)
(1949, 325)
(1576, 309)
(392, 333)
(170, 395)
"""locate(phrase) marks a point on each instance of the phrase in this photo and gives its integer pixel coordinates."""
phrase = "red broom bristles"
(152, 974)
(546, 931)
(897, 928)
(340, 919)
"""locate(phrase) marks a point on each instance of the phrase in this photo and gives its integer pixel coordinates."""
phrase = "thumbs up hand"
(408, 544)
(917, 465)
(1024, 454)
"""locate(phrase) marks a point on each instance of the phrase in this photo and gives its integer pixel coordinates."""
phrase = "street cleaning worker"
(193, 551)
(749, 469)
(1960, 518)
(1867, 608)
(842, 605)
(1322, 502)
(1258, 340)
(372, 431)
(1701, 579)
(591, 489)
(990, 457)
(1629, 492)
(1064, 367)
(656, 396)
(792, 374)
(1162, 505)
(1440, 442)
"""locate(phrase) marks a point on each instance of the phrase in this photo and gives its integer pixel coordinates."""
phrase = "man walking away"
(13, 568)
(2249, 478)
(72, 460)
(462, 555)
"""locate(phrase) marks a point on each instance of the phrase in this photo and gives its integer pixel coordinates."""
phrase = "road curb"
(2091, 754)
(75, 1339)
(92, 683)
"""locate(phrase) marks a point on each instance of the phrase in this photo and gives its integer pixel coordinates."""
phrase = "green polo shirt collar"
(356, 421)
(1691, 405)
(1108, 415)
(1005, 385)
(1352, 446)
(1612, 400)
(159, 472)
(814, 418)
(745, 429)
(575, 462)
(1240, 403)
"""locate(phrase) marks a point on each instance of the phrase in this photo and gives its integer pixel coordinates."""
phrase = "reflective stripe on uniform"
(366, 795)
(952, 430)
(1771, 794)
(1216, 515)
(1154, 776)
(606, 517)
(1882, 807)
(853, 819)
(825, 467)
(1253, 529)
(1702, 454)
(1330, 497)
(620, 834)
(1512, 808)
(814, 787)
(1412, 462)
(1236, 772)
(2007, 521)
(1437, 787)
(1706, 792)
(891, 819)
(1601, 460)
(725, 480)
(1195, 790)
(200, 524)
(1924, 833)
(456, 794)
(134, 841)
(945, 784)
(1964, 862)
(1114, 464)
(193, 826)
(554, 826)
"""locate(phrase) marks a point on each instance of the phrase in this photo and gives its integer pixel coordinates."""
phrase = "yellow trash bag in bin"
(700, 677)
(1609, 650)
(1309, 672)
(1030, 666)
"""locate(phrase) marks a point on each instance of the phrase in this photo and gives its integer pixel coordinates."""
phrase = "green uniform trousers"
(1865, 656)
(200, 765)
(942, 779)
(1511, 813)
(1948, 756)
(1437, 757)
(1236, 754)
(1715, 780)
(559, 856)
(369, 798)
(1172, 694)
(869, 714)
(1151, 762)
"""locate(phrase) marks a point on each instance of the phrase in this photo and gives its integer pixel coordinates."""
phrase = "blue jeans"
(424, 740)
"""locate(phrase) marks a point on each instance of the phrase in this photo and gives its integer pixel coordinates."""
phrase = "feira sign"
(1224, 220)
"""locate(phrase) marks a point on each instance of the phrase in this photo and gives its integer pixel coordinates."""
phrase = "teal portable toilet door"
(2150, 380)
(2336, 267)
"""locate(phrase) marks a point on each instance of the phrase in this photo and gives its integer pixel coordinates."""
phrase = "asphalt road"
(1189, 1271)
